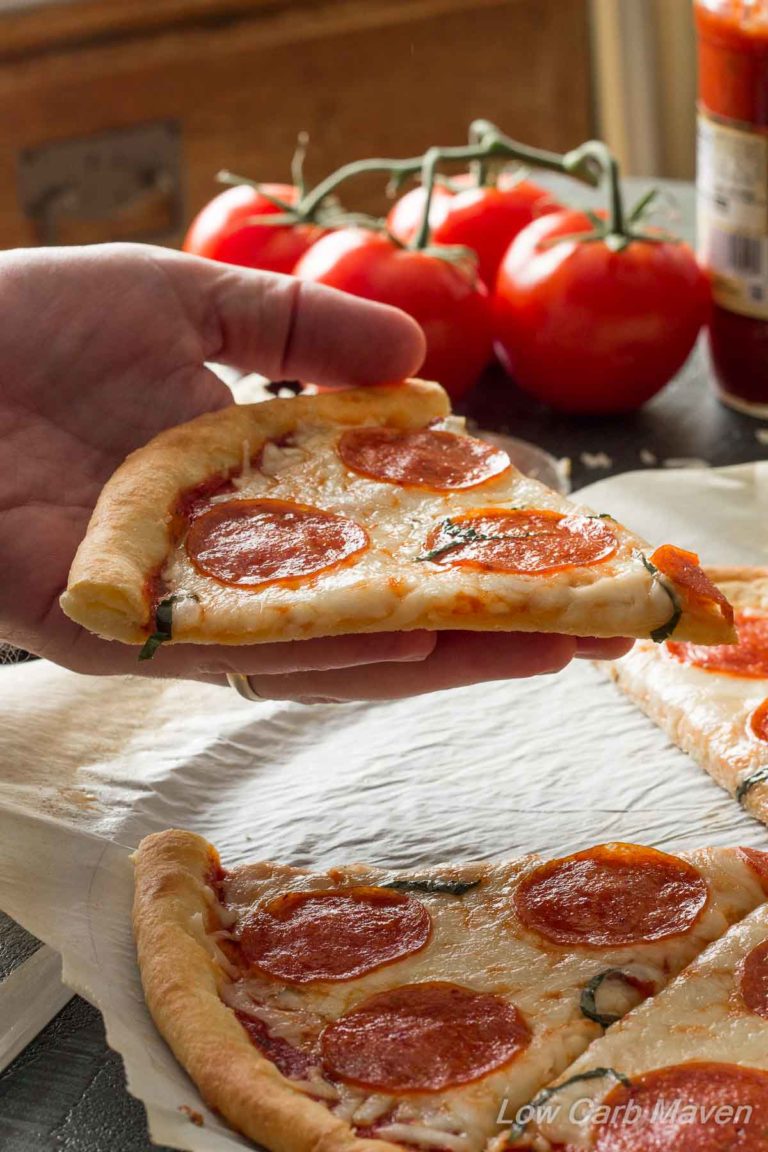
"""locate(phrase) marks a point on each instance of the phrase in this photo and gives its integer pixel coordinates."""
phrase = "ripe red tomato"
(404, 218)
(486, 219)
(446, 299)
(221, 231)
(588, 329)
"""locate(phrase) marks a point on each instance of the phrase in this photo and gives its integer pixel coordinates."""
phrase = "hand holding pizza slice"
(116, 354)
(365, 511)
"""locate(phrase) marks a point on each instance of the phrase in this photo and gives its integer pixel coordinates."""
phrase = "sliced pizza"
(713, 701)
(687, 1071)
(324, 1010)
(362, 511)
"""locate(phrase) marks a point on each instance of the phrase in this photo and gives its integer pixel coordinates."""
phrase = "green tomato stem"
(494, 144)
(487, 143)
(297, 164)
(478, 168)
(394, 168)
(599, 155)
(232, 178)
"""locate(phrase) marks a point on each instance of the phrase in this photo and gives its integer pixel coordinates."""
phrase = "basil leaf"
(659, 635)
(588, 1004)
(151, 645)
(647, 564)
(664, 631)
(163, 624)
(438, 887)
(747, 785)
(164, 616)
(518, 1128)
(466, 534)
(459, 534)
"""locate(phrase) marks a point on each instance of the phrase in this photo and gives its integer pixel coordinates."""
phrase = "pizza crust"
(131, 540)
(703, 713)
(181, 984)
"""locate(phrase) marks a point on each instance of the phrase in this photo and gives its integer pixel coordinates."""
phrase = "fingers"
(458, 659)
(291, 329)
(93, 656)
(307, 657)
(379, 666)
(593, 648)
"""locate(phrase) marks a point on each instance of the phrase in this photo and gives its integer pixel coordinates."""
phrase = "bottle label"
(732, 210)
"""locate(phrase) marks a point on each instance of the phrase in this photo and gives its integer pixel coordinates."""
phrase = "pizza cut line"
(362, 511)
(369, 1009)
(713, 702)
(686, 1071)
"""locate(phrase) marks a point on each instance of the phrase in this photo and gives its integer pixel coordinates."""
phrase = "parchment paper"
(88, 766)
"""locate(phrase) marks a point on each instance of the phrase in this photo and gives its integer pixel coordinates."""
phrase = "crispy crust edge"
(181, 982)
(128, 535)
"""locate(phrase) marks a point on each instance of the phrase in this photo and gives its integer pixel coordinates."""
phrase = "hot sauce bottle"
(732, 192)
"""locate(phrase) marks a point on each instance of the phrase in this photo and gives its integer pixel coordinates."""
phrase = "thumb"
(287, 328)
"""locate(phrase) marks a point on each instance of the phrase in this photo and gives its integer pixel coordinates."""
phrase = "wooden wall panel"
(242, 78)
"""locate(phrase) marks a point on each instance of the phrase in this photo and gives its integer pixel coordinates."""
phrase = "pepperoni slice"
(336, 934)
(423, 1038)
(440, 461)
(748, 658)
(758, 721)
(527, 541)
(753, 980)
(611, 895)
(697, 1107)
(252, 543)
(694, 588)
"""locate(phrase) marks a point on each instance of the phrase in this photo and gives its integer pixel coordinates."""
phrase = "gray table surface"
(66, 1091)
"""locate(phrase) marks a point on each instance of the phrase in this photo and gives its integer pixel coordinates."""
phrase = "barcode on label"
(735, 252)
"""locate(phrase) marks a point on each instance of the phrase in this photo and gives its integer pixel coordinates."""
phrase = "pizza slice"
(362, 511)
(328, 1010)
(687, 1071)
(713, 702)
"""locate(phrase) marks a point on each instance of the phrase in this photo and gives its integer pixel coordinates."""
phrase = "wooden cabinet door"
(232, 82)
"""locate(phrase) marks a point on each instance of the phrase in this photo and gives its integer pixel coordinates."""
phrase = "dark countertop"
(66, 1091)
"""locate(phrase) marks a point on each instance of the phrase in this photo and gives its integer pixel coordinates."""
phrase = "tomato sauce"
(732, 187)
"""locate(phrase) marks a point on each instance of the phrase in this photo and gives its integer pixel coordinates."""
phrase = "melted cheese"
(706, 713)
(701, 1016)
(477, 942)
(388, 587)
